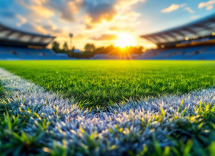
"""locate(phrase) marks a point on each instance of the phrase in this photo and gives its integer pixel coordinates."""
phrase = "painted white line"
(128, 116)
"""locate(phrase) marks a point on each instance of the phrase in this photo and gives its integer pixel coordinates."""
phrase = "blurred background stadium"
(193, 41)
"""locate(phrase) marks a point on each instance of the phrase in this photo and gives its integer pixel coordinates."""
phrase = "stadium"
(20, 45)
(194, 41)
(158, 102)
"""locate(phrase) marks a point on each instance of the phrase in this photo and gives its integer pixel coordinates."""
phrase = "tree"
(89, 47)
(92, 47)
(141, 48)
(65, 47)
(56, 46)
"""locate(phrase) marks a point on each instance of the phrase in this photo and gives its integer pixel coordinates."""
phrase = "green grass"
(192, 135)
(105, 82)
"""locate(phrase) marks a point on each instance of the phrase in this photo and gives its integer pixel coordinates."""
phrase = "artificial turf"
(101, 83)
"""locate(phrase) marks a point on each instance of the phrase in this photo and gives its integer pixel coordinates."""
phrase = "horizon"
(102, 23)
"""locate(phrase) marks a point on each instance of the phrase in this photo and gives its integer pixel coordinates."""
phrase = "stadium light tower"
(71, 36)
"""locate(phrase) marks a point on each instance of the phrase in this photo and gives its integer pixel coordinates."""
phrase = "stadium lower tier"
(19, 53)
(186, 53)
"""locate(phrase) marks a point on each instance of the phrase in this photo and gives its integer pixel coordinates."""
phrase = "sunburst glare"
(125, 39)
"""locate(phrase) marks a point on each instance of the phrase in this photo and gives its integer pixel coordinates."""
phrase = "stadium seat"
(168, 51)
(113, 57)
(177, 57)
(134, 56)
(23, 50)
(40, 57)
(64, 57)
(164, 54)
(190, 50)
(149, 54)
(100, 56)
(210, 49)
(19, 50)
(158, 57)
(26, 57)
(52, 57)
(4, 49)
(46, 51)
(202, 56)
(9, 57)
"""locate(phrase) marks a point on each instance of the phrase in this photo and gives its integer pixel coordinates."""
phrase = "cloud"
(22, 20)
(109, 11)
(210, 7)
(189, 10)
(194, 17)
(37, 8)
(125, 29)
(114, 29)
(67, 10)
(106, 37)
(100, 11)
(173, 7)
(207, 4)
(89, 26)
(79, 36)
(29, 27)
(52, 29)
(128, 3)
(48, 8)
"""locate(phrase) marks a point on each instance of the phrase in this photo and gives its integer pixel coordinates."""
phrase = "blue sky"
(100, 21)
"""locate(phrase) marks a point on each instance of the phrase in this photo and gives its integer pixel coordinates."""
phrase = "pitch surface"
(101, 83)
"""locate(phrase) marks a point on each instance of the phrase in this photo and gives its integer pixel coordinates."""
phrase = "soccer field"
(102, 83)
(142, 108)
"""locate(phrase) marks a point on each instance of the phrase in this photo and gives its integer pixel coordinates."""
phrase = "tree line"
(90, 50)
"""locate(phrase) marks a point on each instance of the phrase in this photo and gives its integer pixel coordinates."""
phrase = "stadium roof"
(199, 29)
(10, 35)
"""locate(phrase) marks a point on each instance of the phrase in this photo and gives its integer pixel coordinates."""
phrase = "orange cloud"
(106, 37)
(208, 4)
(172, 7)
(125, 29)
(22, 20)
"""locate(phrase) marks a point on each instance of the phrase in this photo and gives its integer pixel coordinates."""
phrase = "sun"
(125, 39)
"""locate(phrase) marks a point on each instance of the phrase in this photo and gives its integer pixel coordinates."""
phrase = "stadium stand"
(26, 57)
(4, 49)
(194, 41)
(9, 57)
(62, 56)
(45, 51)
(113, 57)
(19, 45)
(53, 57)
(210, 49)
(40, 57)
(21, 50)
(100, 56)
(134, 56)
(149, 54)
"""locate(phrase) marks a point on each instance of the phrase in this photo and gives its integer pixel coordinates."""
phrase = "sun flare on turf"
(125, 39)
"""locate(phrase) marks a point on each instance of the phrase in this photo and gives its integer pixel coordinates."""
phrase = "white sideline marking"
(126, 116)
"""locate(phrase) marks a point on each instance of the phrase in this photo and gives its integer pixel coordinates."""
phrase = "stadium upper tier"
(199, 31)
(11, 36)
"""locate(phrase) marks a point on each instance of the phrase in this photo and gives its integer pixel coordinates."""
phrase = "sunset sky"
(101, 22)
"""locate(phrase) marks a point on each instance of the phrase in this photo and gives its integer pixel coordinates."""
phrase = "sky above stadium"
(102, 22)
